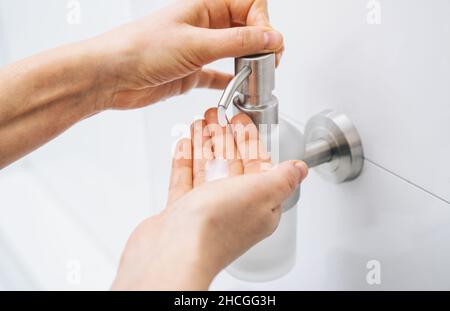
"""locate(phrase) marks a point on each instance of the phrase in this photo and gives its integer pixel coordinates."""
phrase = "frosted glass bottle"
(271, 258)
(275, 256)
(254, 82)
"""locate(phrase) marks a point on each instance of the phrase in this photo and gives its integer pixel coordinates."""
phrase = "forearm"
(44, 95)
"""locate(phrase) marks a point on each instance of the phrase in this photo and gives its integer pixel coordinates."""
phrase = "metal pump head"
(254, 81)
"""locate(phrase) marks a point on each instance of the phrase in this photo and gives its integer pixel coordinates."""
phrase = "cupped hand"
(163, 54)
(208, 224)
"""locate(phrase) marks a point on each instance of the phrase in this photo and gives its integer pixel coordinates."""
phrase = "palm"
(211, 142)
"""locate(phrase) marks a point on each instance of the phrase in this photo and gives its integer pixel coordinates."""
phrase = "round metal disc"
(346, 147)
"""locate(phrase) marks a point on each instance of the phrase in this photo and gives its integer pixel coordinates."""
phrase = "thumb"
(267, 189)
(215, 44)
(281, 181)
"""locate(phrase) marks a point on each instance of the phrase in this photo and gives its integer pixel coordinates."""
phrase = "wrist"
(195, 264)
(195, 261)
(99, 62)
(114, 59)
(200, 273)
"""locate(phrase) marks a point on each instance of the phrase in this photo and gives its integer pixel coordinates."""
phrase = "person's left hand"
(208, 224)
(163, 54)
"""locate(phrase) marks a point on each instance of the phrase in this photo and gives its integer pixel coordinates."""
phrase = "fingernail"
(272, 40)
(303, 168)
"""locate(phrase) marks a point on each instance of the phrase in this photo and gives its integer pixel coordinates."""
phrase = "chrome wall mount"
(330, 143)
(333, 145)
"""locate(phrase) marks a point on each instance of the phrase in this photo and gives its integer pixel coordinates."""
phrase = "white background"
(71, 205)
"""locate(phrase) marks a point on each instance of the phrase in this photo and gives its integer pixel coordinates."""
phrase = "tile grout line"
(408, 181)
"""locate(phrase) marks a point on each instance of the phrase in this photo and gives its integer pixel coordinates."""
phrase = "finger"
(229, 13)
(260, 207)
(202, 151)
(249, 145)
(200, 79)
(271, 188)
(284, 179)
(213, 79)
(249, 12)
(236, 42)
(223, 143)
(181, 178)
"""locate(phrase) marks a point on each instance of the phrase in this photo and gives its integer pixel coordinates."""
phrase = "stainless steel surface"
(255, 93)
(255, 96)
(229, 92)
(267, 114)
(317, 152)
(345, 156)
(254, 81)
(258, 88)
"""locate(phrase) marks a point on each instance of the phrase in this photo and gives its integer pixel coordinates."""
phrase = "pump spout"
(254, 83)
(229, 92)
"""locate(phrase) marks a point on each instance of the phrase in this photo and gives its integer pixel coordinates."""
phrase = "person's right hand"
(209, 224)
(163, 54)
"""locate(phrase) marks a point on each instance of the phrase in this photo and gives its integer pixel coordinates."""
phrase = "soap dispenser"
(330, 142)
(251, 92)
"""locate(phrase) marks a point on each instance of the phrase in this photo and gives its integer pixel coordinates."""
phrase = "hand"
(208, 224)
(163, 54)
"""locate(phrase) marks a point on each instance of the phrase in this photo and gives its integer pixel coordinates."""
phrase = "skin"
(135, 65)
(207, 225)
(139, 64)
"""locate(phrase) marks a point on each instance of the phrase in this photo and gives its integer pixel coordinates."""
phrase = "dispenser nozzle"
(228, 94)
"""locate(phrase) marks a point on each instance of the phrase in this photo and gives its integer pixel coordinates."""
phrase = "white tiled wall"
(392, 79)
(65, 204)
(73, 203)
(405, 230)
